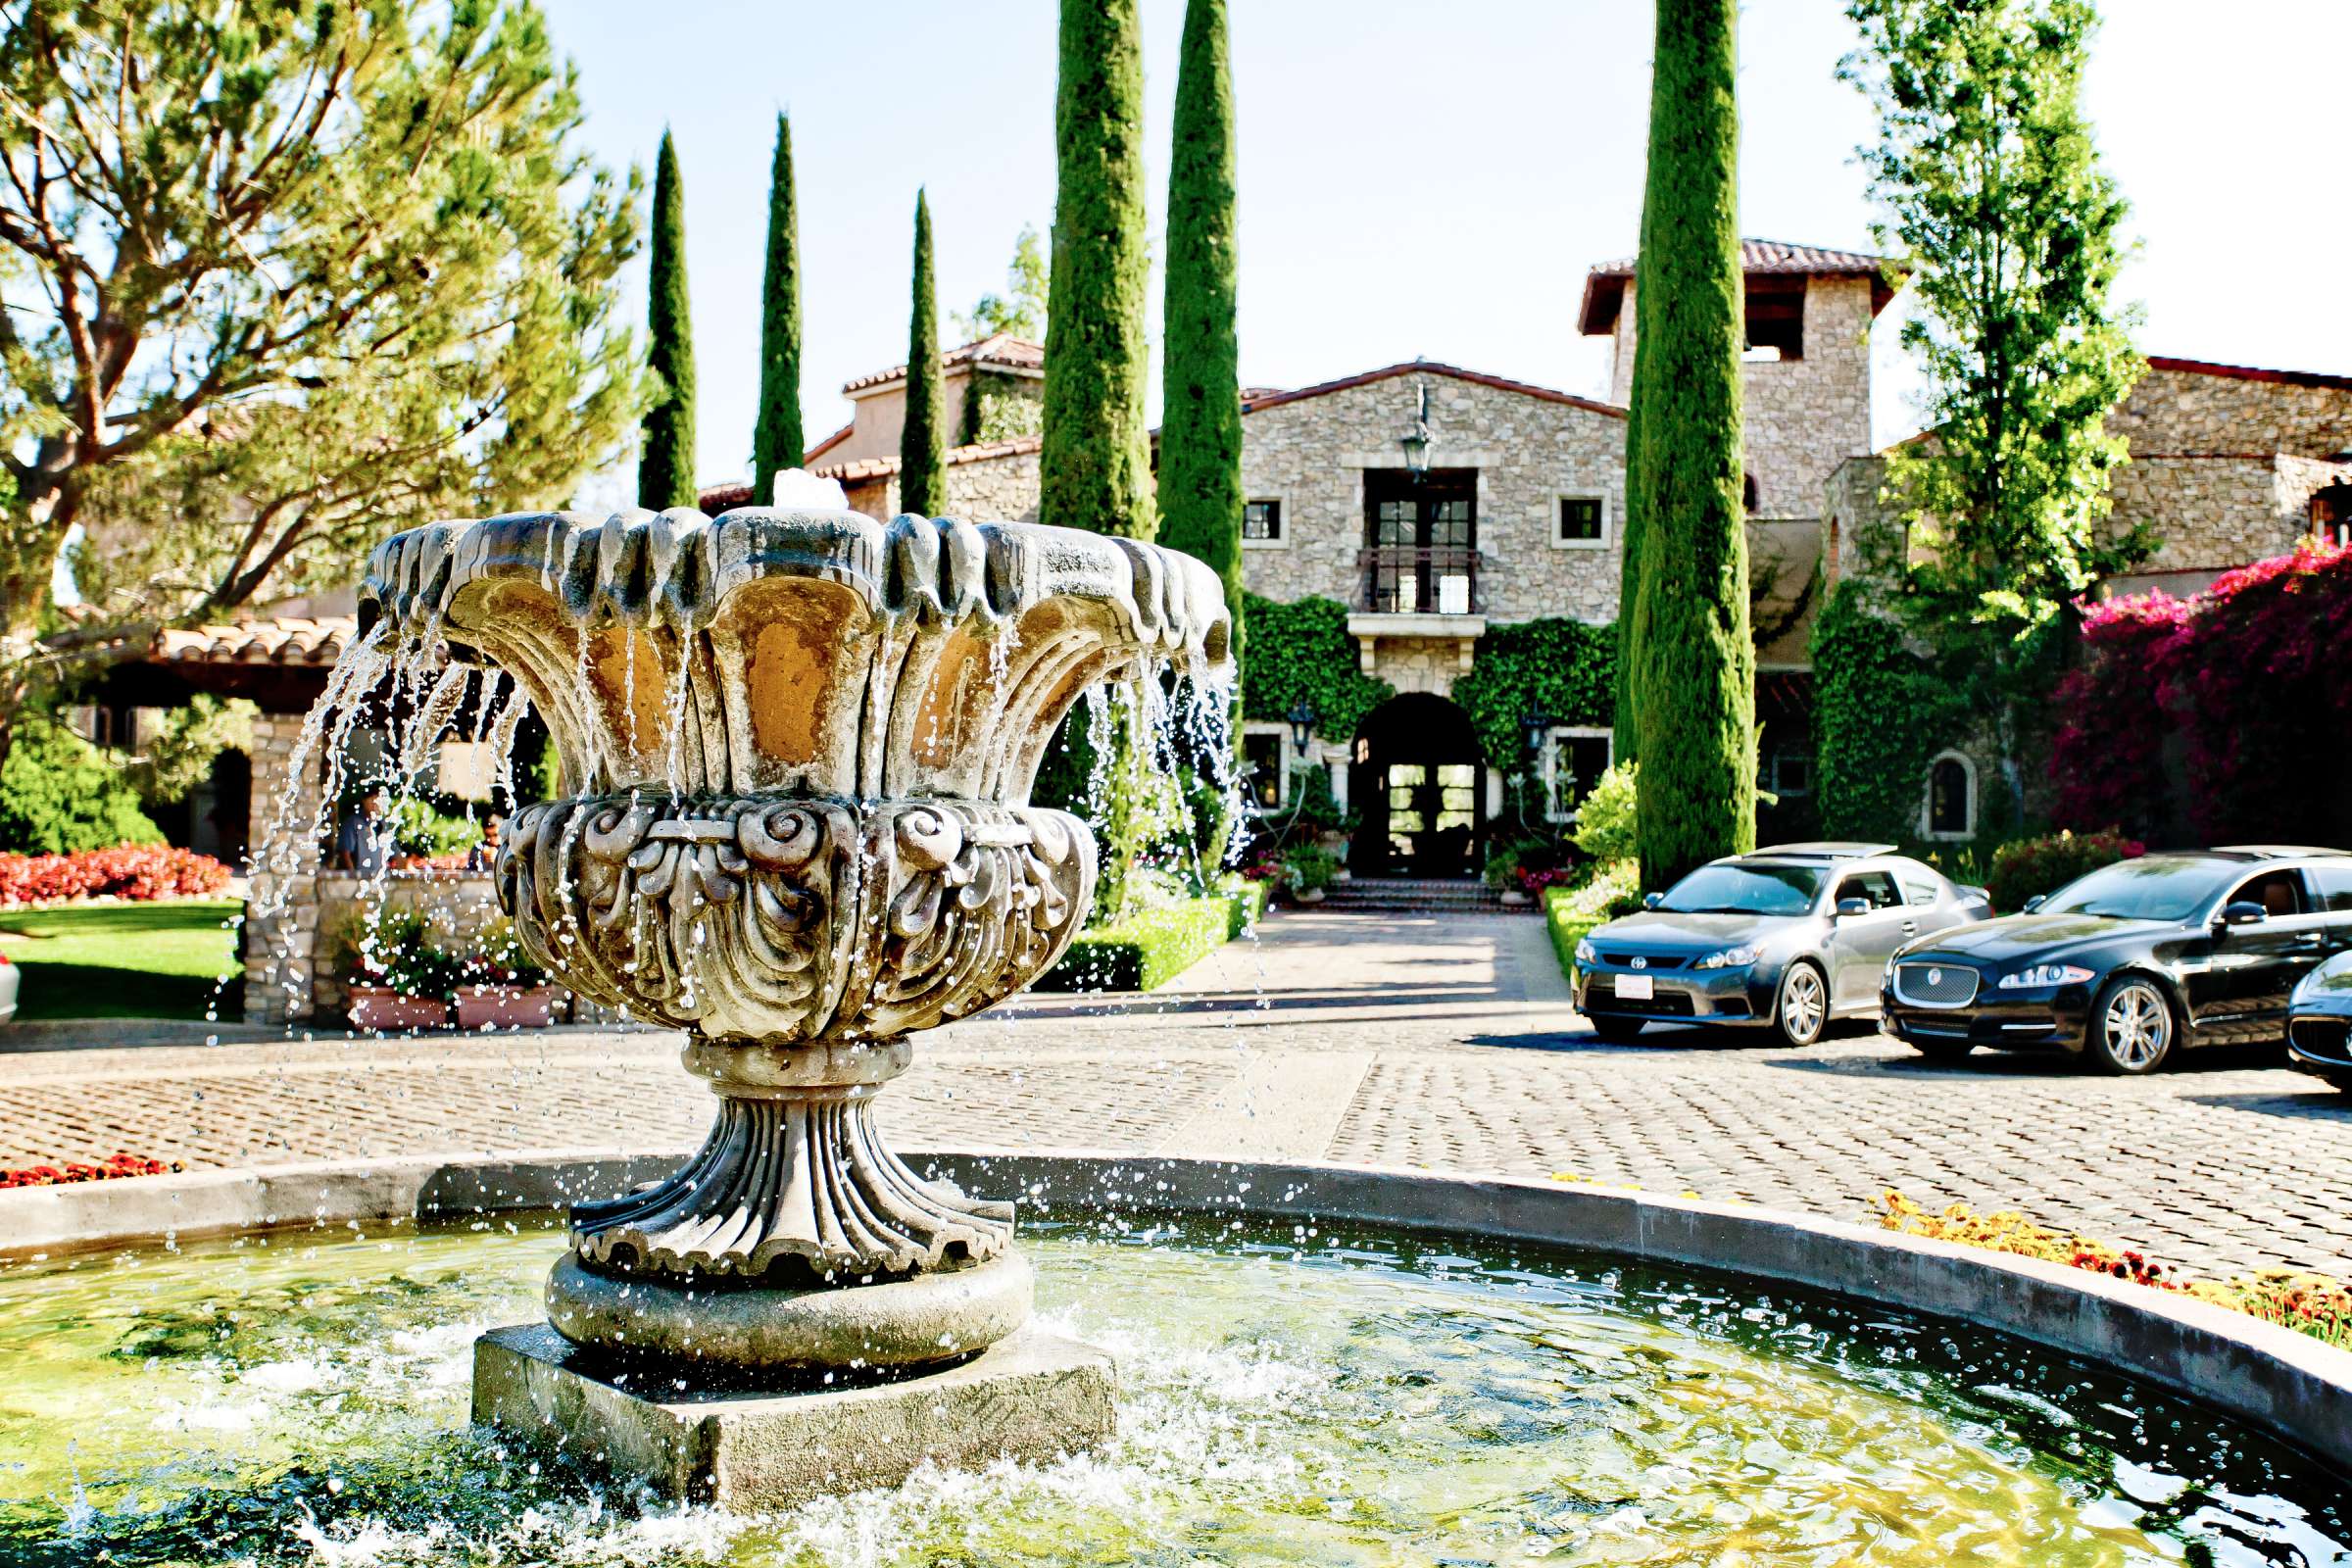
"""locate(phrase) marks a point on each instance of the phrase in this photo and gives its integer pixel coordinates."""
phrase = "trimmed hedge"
(1148, 949)
(1573, 912)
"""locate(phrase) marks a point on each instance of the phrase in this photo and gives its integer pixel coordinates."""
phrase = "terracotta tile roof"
(1605, 284)
(827, 444)
(714, 499)
(292, 640)
(1003, 350)
(2248, 372)
(864, 469)
(1250, 404)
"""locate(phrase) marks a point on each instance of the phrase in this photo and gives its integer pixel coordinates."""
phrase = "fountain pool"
(1289, 1392)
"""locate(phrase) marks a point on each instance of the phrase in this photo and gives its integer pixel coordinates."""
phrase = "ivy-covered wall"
(1562, 668)
(1878, 715)
(1301, 652)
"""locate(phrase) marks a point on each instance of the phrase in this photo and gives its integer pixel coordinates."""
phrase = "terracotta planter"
(380, 1010)
(505, 1006)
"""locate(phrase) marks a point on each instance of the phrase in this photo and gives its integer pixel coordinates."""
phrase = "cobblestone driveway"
(1399, 1041)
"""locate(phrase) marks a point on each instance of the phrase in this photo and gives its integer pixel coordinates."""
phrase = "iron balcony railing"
(1406, 579)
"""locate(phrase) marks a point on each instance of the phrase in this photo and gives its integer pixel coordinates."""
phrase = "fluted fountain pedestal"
(798, 748)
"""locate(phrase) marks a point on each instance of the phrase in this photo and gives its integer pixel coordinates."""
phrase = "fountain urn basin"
(796, 748)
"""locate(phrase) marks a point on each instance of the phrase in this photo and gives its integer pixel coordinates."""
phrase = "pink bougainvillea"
(2255, 677)
(132, 871)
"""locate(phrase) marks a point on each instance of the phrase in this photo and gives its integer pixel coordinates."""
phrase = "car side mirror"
(1847, 906)
(1650, 900)
(2035, 901)
(2246, 912)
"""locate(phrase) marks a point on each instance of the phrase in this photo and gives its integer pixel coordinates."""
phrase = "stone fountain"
(798, 746)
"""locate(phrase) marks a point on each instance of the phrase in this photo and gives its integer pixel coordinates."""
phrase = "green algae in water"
(1304, 1398)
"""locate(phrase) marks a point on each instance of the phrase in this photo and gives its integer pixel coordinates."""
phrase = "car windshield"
(1745, 889)
(2152, 889)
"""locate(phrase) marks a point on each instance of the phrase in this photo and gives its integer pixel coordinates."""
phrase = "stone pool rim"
(2280, 1382)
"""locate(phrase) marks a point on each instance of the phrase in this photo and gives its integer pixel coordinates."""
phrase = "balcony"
(1416, 594)
(1419, 580)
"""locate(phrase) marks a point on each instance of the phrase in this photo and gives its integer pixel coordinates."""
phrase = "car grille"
(1650, 961)
(2321, 1039)
(1934, 985)
(1665, 1005)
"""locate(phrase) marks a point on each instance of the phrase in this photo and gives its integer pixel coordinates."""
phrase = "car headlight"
(1728, 959)
(2043, 976)
(1584, 952)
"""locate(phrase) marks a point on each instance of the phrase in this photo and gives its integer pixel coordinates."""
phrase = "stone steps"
(1413, 895)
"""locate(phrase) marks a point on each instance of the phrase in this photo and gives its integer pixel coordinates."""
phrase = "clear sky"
(1421, 180)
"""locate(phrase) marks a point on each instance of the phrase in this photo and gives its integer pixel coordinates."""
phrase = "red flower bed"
(2250, 675)
(134, 871)
(73, 1171)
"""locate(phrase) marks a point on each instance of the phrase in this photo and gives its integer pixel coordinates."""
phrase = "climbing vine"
(1301, 652)
(1565, 668)
(1878, 715)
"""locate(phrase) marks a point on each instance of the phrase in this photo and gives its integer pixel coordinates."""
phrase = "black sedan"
(1783, 939)
(2126, 966)
(2318, 1023)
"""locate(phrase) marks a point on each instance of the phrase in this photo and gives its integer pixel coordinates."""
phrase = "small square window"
(1261, 520)
(1580, 519)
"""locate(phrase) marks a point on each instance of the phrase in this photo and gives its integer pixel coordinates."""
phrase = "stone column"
(280, 963)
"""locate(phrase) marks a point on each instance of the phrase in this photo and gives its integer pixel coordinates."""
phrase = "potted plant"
(398, 980)
(1308, 870)
(1502, 873)
(498, 985)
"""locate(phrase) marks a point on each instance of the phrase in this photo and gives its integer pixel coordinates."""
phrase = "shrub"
(1307, 867)
(1553, 664)
(421, 828)
(1300, 651)
(1879, 714)
(60, 795)
(2031, 867)
(1245, 904)
(1604, 818)
(1573, 911)
(497, 958)
(393, 948)
(134, 873)
(1144, 951)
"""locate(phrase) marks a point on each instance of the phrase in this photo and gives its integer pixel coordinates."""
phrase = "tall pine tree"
(776, 439)
(665, 459)
(1692, 653)
(1094, 470)
(924, 437)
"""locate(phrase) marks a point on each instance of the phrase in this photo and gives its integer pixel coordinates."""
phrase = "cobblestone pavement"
(1443, 1042)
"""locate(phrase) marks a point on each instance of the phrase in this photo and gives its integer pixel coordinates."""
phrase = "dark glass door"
(1421, 541)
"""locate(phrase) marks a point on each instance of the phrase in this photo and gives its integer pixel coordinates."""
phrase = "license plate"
(1634, 987)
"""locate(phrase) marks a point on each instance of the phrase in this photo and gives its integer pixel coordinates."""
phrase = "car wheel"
(1802, 1009)
(1616, 1031)
(2131, 1028)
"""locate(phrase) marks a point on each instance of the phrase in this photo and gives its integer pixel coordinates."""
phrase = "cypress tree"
(1200, 416)
(924, 437)
(1094, 469)
(665, 456)
(777, 440)
(1693, 656)
(1201, 420)
(1626, 723)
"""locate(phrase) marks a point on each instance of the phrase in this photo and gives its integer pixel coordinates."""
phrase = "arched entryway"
(1420, 783)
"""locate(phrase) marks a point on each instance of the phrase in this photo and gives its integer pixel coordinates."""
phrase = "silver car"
(1787, 938)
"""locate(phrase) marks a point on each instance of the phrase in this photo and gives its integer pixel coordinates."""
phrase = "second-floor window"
(1421, 541)
(1261, 521)
(1583, 521)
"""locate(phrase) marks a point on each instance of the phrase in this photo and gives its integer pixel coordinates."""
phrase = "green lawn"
(122, 961)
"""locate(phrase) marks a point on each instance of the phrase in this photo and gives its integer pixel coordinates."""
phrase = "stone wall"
(2178, 411)
(992, 489)
(1529, 451)
(1802, 417)
(275, 991)
(2214, 512)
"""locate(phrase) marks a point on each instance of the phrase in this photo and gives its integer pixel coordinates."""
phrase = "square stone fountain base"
(1030, 1396)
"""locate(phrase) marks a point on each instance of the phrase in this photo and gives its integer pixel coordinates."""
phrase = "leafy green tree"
(924, 437)
(1094, 470)
(665, 459)
(291, 277)
(1692, 654)
(777, 440)
(1200, 418)
(60, 795)
(193, 735)
(1996, 201)
(1020, 310)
